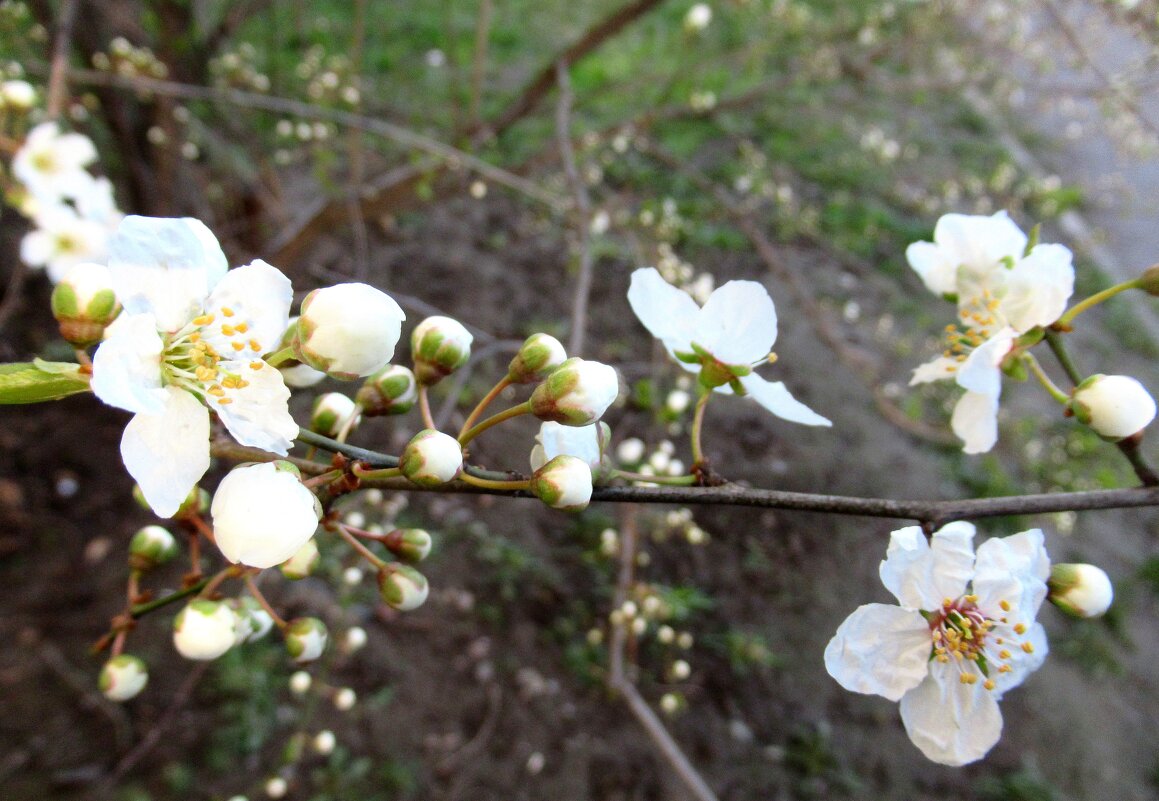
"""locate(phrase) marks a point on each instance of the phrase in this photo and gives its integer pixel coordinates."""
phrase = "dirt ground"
(479, 693)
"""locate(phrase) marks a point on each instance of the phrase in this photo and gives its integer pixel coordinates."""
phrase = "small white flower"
(1115, 406)
(62, 240)
(345, 699)
(963, 634)
(584, 442)
(204, 629)
(1080, 590)
(348, 330)
(630, 451)
(51, 163)
(17, 95)
(262, 514)
(151, 546)
(698, 17)
(431, 458)
(354, 639)
(123, 677)
(722, 341)
(300, 682)
(1001, 292)
(324, 742)
(253, 621)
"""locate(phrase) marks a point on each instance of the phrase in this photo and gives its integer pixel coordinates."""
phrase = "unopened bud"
(1080, 590)
(402, 587)
(151, 546)
(538, 357)
(1149, 280)
(204, 629)
(324, 742)
(333, 413)
(348, 330)
(1115, 406)
(300, 682)
(84, 304)
(354, 639)
(577, 393)
(17, 95)
(345, 699)
(302, 563)
(409, 544)
(431, 458)
(392, 390)
(262, 514)
(563, 483)
(253, 621)
(439, 346)
(123, 677)
(306, 638)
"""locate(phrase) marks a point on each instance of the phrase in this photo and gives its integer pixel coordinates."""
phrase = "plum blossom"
(190, 339)
(962, 635)
(723, 340)
(52, 164)
(1002, 291)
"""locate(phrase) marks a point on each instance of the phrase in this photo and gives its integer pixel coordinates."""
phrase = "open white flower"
(62, 240)
(1001, 292)
(723, 340)
(191, 336)
(50, 164)
(963, 634)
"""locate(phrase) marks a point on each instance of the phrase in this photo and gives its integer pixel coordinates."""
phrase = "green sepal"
(1030, 338)
(951, 297)
(33, 382)
(687, 358)
(1015, 368)
(1032, 240)
(1007, 262)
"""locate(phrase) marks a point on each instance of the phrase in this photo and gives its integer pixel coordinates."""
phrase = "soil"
(480, 694)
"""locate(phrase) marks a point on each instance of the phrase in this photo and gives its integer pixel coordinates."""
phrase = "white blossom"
(204, 629)
(262, 515)
(1115, 406)
(348, 330)
(583, 442)
(50, 163)
(577, 393)
(123, 677)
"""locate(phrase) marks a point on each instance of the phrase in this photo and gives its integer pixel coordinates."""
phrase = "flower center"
(975, 643)
(207, 369)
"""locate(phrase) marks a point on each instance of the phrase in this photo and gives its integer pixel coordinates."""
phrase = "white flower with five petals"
(962, 635)
(723, 340)
(1002, 292)
(190, 340)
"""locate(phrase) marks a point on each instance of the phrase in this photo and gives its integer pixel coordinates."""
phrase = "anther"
(228, 312)
(237, 346)
(1005, 605)
(1028, 647)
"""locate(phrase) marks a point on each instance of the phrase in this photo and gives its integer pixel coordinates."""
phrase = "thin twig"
(617, 675)
(482, 36)
(583, 211)
(58, 72)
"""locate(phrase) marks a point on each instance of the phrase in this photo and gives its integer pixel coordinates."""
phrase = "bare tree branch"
(582, 214)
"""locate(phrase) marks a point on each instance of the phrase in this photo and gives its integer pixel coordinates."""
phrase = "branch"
(58, 73)
(583, 211)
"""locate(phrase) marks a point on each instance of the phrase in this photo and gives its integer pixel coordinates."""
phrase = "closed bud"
(431, 458)
(123, 677)
(262, 514)
(538, 357)
(253, 621)
(577, 393)
(333, 413)
(1080, 590)
(204, 629)
(303, 562)
(1149, 280)
(409, 544)
(306, 638)
(392, 390)
(84, 304)
(402, 587)
(151, 546)
(563, 483)
(17, 95)
(347, 331)
(354, 639)
(1115, 406)
(324, 742)
(439, 346)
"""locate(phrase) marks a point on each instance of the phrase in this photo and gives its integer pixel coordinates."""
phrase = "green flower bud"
(302, 563)
(84, 304)
(1080, 590)
(564, 483)
(439, 346)
(1115, 406)
(409, 544)
(431, 458)
(392, 390)
(253, 621)
(402, 587)
(1149, 280)
(332, 413)
(577, 393)
(204, 629)
(306, 638)
(123, 677)
(539, 356)
(151, 546)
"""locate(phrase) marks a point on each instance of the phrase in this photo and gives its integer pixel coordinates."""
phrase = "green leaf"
(33, 382)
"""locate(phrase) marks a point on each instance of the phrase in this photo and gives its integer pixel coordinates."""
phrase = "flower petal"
(1020, 559)
(668, 313)
(979, 243)
(880, 649)
(258, 297)
(257, 414)
(555, 439)
(1022, 663)
(1038, 287)
(975, 421)
(939, 369)
(935, 266)
(922, 574)
(127, 365)
(950, 722)
(168, 453)
(738, 324)
(775, 397)
(166, 266)
(980, 372)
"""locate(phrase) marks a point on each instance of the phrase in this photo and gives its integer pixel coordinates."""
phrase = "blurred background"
(509, 163)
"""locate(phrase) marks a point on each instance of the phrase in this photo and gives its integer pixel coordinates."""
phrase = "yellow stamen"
(255, 346)
(237, 345)
(204, 319)
(224, 401)
(228, 312)
(1005, 605)
(242, 327)
(1027, 647)
(256, 365)
(1020, 628)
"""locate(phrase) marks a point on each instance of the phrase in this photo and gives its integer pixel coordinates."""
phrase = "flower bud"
(392, 390)
(1080, 590)
(402, 587)
(563, 483)
(431, 458)
(300, 682)
(253, 621)
(84, 304)
(306, 638)
(539, 355)
(577, 393)
(123, 677)
(262, 514)
(324, 742)
(584, 442)
(354, 639)
(1115, 406)
(345, 699)
(303, 562)
(332, 413)
(409, 544)
(151, 546)
(204, 629)
(348, 330)
(698, 17)
(1149, 280)
(439, 346)
(17, 95)
(300, 376)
